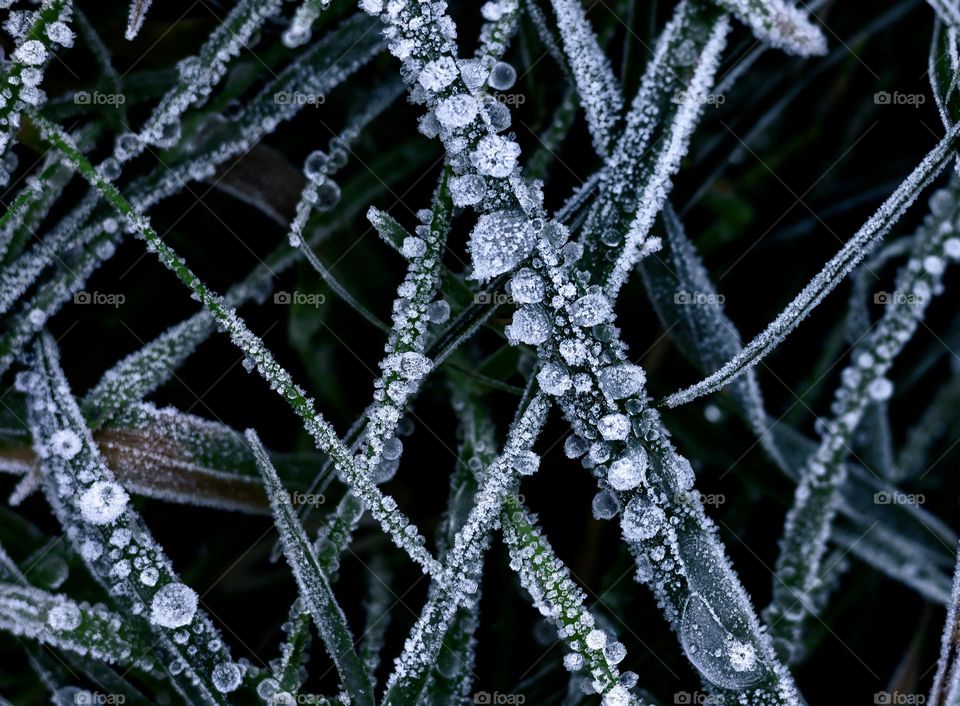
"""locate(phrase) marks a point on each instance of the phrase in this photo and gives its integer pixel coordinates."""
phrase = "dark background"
(829, 144)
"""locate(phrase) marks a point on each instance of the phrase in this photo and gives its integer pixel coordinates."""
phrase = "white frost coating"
(780, 24)
(103, 502)
(834, 272)
(499, 242)
(138, 13)
(657, 183)
(599, 90)
(99, 521)
(945, 682)
(173, 606)
(863, 382)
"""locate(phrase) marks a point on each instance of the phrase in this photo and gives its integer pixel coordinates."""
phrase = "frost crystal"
(591, 309)
(499, 242)
(553, 379)
(495, 156)
(65, 444)
(103, 502)
(530, 325)
(173, 606)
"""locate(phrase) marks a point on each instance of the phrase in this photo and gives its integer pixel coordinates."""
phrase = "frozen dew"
(615, 652)
(628, 471)
(457, 111)
(31, 52)
(526, 463)
(499, 242)
(103, 502)
(473, 73)
(934, 265)
(596, 639)
(880, 389)
(438, 74)
(413, 247)
(499, 115)
(502, 76)
(526, 287)
(226, 677)
(614, 427)
(392, 449)
(617, 696)
(149, 576)
(316, 165)
(60, 33)
(328, 195)
(173, 606)
(530, 325)
(591, 309)
(553, 379)
(641, 520)
(951, 248)
(605, 505)
(64, 616)
(65, 443)
(573, 661)
(467, 190)
(575, 446)
(438, 312)
(495, 156)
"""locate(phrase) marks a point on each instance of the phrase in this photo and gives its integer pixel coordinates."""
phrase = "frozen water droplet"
(526, 287)
(103, 502)
(880, 389)
(438, 74)
(553, 379)
(64, 616)
(392, 448)
(530, 325)
(615, 652)
(457, 111)
(316, 165)
(573, 661)
(413, 247)
(605, 505)
(495, 156)
(641, 520)
(473, 73)
(438, 312)
(526, 463)
(614, 427)
(502, 76)
(467, 190)
(226, 677)
(65, 443)
(591, 309)
(628, 470)
(173, 606)
(499, 242)
(575, 446)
